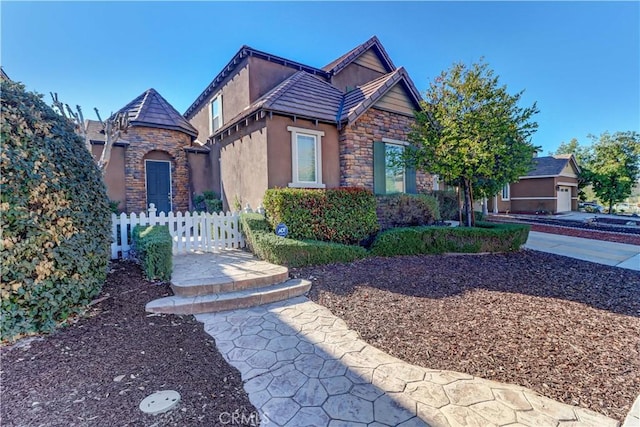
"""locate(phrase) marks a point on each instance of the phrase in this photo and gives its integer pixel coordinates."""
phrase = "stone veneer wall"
(356, 147)
(143, 140)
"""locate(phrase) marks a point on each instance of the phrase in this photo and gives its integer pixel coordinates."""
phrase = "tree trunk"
(468, 209)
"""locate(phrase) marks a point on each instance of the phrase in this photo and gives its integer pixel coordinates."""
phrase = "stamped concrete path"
(302, 366)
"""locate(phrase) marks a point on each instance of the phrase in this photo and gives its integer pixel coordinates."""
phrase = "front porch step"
(231, 279)
(229, 300)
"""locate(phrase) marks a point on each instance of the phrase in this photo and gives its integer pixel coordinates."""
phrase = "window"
(394, 173)
(389, 177)
(506, 190)
(306, 161)
(216, 113)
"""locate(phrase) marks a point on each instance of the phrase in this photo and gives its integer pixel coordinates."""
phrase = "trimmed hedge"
(447, 204)
(55, 217)
(341, 215)
(293, 253)
(485, 237)
(154, 246)
(406, 210)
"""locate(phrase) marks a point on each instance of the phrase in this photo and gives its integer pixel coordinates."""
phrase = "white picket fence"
(204, 232)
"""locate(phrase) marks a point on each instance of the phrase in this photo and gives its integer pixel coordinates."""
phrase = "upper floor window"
(389, 174)
(216, 113)
(306, 158)
(506, 192)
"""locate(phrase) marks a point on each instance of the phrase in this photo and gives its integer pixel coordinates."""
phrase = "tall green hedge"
(154, 246)
(55, 217)
(341, 215)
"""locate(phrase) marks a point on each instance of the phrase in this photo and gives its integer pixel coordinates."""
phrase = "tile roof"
(310, 97)
(551, 165)
(152, 110)
(236, 60)
(346, 59)
(362, 97)
(301, 95)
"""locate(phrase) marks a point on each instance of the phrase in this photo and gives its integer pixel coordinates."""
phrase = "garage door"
(564, 199)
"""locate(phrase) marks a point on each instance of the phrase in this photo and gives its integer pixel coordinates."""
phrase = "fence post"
(152, 214)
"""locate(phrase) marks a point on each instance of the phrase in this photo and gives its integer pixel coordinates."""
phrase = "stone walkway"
(302, 366)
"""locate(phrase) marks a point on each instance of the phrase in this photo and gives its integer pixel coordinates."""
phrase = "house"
(551, 186)
(271, 122)
(158, 160)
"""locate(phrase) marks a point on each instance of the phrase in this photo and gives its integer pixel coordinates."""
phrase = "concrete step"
(229, 300)
(228, 279)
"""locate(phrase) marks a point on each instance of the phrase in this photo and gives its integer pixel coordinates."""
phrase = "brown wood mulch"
(630, 239)
(96, 371)
(566, 328)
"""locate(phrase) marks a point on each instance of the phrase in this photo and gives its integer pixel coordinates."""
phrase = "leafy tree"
(614, 166)
(55, 217)
(582, 155)
(471, 131)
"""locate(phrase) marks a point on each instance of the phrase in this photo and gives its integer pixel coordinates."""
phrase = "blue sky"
(579, 60)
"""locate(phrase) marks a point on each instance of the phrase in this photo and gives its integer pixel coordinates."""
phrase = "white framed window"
(216, 114)
(393, 171)
(306, 158)
(506, 192)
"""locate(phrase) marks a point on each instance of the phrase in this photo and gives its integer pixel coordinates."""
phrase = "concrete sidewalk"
(597, 251)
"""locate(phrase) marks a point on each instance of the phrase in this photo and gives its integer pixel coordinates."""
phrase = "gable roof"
(244, 52)
(309, 97)
(340, 63)
(362, 97)
(552, 165)
(152, 110)
(302, 95)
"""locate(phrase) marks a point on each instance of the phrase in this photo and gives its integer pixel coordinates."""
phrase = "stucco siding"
(354, 75)
(114, 176)
(279, 151)
(244, 167)
(264, 76)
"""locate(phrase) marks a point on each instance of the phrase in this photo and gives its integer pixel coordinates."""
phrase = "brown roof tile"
(152, 110)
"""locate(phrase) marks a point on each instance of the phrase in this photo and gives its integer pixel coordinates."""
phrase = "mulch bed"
(96, 371)
(566, 328)
(630, 239)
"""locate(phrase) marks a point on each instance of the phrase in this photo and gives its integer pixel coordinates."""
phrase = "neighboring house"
(273, 122)
(157, 160)
(552, 186)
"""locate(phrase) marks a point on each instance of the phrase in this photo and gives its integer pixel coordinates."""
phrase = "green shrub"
(293, 253)
(447, 204)
(55, 217)
(153, 246)
(208, 201)
(485, 237)
(406, 210)
(341, 215)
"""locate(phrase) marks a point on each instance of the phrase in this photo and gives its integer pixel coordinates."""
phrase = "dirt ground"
(96, 371)
(566, 328)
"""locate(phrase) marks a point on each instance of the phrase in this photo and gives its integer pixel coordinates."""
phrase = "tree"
(471, 131)
(582, 155)
(56, 222)
(614, 165)
(113, 128)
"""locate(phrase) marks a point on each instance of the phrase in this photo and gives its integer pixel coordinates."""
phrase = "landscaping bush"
(341, 215)
(485, 237)
(55, 217)
(447, 204)
(293, 253)
(154, 246)
(208, 201)
(406, 210)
